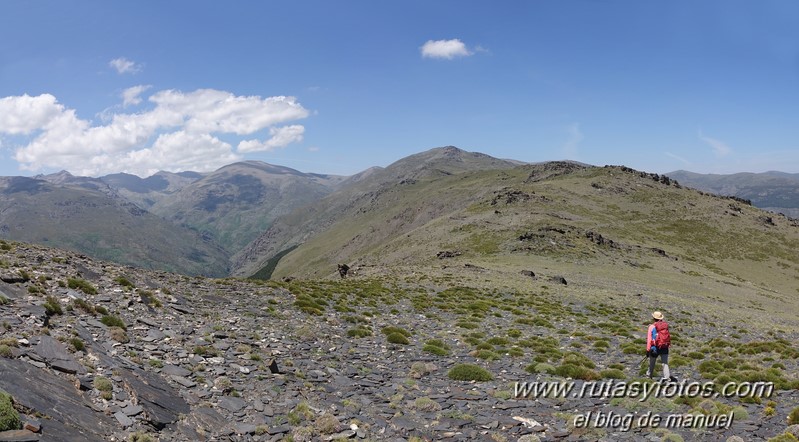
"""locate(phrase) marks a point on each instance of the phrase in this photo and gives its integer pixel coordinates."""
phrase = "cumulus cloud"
(719, 148)
(446, 49)
(132, 95)
(24, 114)
(279, 137)
(125, 66)
(179, 132)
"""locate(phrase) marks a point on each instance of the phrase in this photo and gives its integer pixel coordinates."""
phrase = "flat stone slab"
(232, 404)
(161, 403)
(174, 370)
(185, 382)
(18, 436)
(55, 354)
(123, 419)
(201, 422)
(71, 417)
(132, 410)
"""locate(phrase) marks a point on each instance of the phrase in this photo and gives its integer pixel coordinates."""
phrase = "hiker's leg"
(652, 360)
(664, 358)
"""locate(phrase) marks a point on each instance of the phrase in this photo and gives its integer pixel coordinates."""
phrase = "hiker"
(658, 340)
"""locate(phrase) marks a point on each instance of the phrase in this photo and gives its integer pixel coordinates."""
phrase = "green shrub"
(392, 329)
(4, 300)
(149, 298)
(102, 383)
(437, 343)
(515, 352)
(576, 372)
(678, 361)
(469, 372)
(5, 351)
(497, 341)
(540, 367)
(793, 416)
(739, 413)
(784, 437)
(578, 359)
(77, 344)
(100, 309)
(82, 285)
(140, 436)
(359, 332)
(113, 321)
(9, 418)
(124, 282)
(34, 289)
(52, 306)
(487, 355)
(612, 373)
(202, 350)
(83, 305)
(426, 404)
(436, 350)
(397, 338)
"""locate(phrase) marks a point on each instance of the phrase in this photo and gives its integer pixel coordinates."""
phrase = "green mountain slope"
(607, 227)
(237, 202)
(88, 217)
(366, 193)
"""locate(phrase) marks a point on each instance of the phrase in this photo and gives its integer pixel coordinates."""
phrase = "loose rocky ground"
(97, 351)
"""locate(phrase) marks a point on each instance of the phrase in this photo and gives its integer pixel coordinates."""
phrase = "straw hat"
(657, 315)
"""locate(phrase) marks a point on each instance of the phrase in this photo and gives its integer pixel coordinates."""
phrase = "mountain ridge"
(773, 191)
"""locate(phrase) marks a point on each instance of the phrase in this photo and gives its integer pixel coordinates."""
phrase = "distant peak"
(60, 174)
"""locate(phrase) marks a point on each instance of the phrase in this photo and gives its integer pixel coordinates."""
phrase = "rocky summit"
(98, 351)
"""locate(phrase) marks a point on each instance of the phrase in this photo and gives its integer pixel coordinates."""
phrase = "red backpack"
(663, 338)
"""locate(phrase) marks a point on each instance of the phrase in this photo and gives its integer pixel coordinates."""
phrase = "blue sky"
(96, 87)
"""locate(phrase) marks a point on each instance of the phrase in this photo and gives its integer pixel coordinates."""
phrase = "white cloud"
(125, 66)
(719, 148)
(680, 159)
(447, 49)
(183, 151)
(176, 134)
(132, 95)
(24, 114)
(209, 110)
(569, 148)
(280, 137)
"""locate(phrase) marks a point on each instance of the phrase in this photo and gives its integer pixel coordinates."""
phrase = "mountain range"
(253, 218)
(773, 191)
(411, 302)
